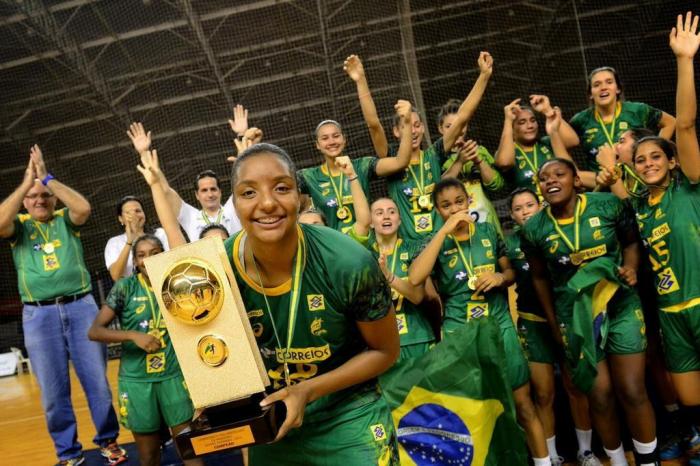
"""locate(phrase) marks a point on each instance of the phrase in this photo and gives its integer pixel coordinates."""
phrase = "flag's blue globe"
(433, 435)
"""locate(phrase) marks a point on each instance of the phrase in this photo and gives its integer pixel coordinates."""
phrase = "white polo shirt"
(116, 244)
(193, 221)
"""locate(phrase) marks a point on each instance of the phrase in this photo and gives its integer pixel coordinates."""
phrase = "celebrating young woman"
(469, 264)
(151, 385)
(596, 230)
(326, 313)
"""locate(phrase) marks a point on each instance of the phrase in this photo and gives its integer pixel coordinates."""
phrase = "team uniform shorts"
(681, 339)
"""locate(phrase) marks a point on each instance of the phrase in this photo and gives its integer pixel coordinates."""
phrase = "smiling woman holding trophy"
(320, 311)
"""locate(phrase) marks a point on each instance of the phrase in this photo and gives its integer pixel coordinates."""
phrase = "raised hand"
(456, 221)
(139, 137)
(239, 124)
(29, 175)
(241, 145)
(149, 168)
(37, 157)
(469, 152)
(606, 157)
(130, 228)
(344, 164)
(383, 267)
(540, 103)
(511, 110)
(403, 109)
(553, 121)
(254, 134)
(353, 67)
(485, 63)
(684, 39)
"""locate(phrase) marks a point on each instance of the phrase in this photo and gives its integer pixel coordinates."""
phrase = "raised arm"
(552, 126)
(78, 206)
(117, 267)
(150, 170)
(471, 103)
(423, 265)
(11, 206)
(390, 165)
(684, 41)
(505, 154)
(353, 67)
(540, 103)
(142, 144)
(359, 199)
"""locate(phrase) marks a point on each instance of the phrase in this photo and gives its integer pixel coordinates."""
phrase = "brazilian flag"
(454, 406)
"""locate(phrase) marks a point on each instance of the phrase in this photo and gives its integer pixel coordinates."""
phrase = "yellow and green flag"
(454, 406)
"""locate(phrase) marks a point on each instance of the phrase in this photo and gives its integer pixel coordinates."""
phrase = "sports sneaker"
(72, 462)
(694, 448)
(558, 461)
(113, 454)
(587, 458)
(671, 448)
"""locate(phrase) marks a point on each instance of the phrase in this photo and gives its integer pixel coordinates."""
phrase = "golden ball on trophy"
(192, 292)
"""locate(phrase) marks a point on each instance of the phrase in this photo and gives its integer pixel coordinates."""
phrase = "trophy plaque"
(215, 346)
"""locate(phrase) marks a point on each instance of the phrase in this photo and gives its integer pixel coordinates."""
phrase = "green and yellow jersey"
(136, 307)
(480, 207)
(339, 284)
(332, 194)
(527, 302)
(528, 162)
(594, 132)
(412, 192)
(670, 230)
(602, 220)
(451, 273)
(48, 257)
(411, 321)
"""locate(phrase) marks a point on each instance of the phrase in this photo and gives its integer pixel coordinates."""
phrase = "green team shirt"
(670, 230)
(46, 272)
(459, 302)
(527, 300)
(136, 306)
(604, 219)
(318, 183)
(411, 321)
(527, 163)
(341, 284)
(628, 115)
(418, 221)
(480, 207)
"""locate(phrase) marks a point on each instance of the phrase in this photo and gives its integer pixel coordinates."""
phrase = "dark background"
(73, 74)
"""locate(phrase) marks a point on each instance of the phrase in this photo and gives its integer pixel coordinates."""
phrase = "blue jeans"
(53, 334)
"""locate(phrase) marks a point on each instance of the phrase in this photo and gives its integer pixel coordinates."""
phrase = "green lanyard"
(609, 135)
(419, 184)
(218, 217)
(338, 190)
(468, 264)
(577, 216)
(633, 190)
(297, 274)
(155, 317)
(533, 166)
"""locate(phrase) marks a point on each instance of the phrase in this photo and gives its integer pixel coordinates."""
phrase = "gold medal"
(471, 283)
(616, 173)
(156, 333)
(342, 213)
(424, 201)
(48, 248)
(576, 258)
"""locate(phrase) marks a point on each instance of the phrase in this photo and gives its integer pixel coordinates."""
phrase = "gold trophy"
(215, 346)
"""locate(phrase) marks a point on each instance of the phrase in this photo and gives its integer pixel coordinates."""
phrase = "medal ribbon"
(609, 135)
(577, 217)
(147, 290)
(419, 184)
(218, 217)
(297, 274)
(533, 164)
(394, 254)
(633, 177)
(338, 190)
(469, 265)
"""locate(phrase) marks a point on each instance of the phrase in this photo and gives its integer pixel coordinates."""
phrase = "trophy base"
(231, 426)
